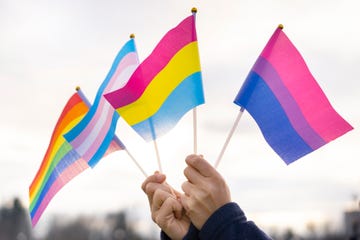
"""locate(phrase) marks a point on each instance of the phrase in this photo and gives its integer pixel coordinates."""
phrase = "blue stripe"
(186, 96)
(74, 132)
(258, 99)
(63, 164)
(106, 142)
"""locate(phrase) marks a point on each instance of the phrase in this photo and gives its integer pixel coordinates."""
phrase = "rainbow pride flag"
(287, 103)
(93, 134)
(166, 85)
(61, 163)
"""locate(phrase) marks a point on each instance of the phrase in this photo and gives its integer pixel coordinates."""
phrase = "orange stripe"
(73, 109)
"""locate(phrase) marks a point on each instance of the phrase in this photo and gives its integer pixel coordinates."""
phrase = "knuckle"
(153, 216)
(184, 186)
(186, 171)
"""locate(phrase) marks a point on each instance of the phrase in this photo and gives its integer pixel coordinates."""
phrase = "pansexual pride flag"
(93, 134)
(165, 86)
(287, 103)
(61, 163)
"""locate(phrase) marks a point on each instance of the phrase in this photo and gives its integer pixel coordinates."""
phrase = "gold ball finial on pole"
(77, 88)
(132, 36)
(194, 10)
(281, 26)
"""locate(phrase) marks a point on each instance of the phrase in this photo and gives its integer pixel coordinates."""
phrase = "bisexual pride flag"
(287, 103)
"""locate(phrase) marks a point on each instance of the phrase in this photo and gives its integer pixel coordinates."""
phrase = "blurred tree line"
(15, 225)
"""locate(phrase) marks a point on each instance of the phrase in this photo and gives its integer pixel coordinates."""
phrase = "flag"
(165, 86)
(287, 103)
(61, 163)
(92, 135)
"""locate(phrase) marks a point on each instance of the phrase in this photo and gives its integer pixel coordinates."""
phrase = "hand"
(166, 210)
(205, 191)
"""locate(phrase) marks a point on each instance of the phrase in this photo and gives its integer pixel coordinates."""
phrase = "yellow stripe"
(58, 142)
(183, 64)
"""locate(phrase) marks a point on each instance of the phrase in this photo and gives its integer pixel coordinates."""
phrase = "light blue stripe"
(186, 96)
(63, 164)
(106, 142)
(74, 132)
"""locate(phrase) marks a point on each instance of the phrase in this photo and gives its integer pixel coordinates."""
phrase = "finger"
(176, 206)
(151, 187)
(169, 207)
(185, 202)
(201, 165)
(159, 198)
(155, 178)
(193, 175)
(188, 188)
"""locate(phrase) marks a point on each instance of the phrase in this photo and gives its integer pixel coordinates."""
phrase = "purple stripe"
(290, 106)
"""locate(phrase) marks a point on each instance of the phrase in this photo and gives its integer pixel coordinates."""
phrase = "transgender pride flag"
(287, 103)
(92, 136)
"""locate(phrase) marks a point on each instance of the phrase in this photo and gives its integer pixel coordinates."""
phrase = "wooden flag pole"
(194, 11)
(136, 162)
(115, 138)
(195, 129)
(157, 156)
(229, 137)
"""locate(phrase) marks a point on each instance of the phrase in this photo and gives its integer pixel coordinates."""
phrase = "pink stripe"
(114, 146)
(89, 128)
(92, 135)
(170, 44)
(130, 59)
(91, 150)
(293, 71)
(72, 171)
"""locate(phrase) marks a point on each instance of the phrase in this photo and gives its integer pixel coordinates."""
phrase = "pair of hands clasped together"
(205, 191)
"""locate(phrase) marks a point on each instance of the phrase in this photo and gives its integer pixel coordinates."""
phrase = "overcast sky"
(47, 48)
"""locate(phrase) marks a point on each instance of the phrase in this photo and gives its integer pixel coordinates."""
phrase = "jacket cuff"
(191, 234)
(220, 219)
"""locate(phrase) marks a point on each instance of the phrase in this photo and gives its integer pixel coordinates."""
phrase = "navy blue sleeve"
(163, 236)
(229, 222)
(192, 234)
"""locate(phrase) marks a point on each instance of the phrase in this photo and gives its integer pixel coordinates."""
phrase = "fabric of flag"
(165, 86)
(61, 163)
(287, 103)
(93, 134)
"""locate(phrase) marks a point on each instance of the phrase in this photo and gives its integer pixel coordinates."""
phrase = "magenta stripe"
(91, 150)
(63, 178)
(170, 44)
(296, 77)
(291, 108)
(129, 60)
